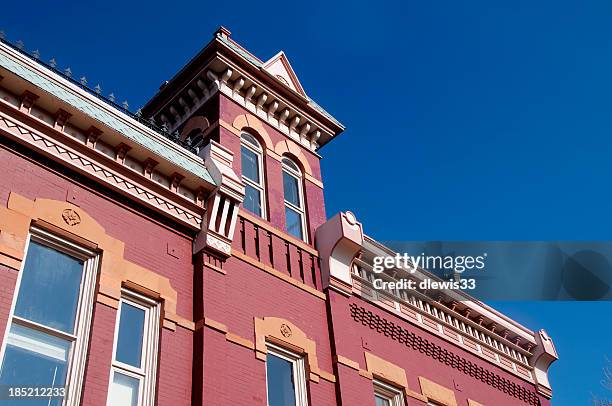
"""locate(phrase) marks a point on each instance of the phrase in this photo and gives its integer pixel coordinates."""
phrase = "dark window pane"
(380, 401)
(252, 199)
(124, 390)
(50, 288)
(281, 391)
(291, 188)
(250, 165)
(294, 222)
(131, 331)
(34, 358)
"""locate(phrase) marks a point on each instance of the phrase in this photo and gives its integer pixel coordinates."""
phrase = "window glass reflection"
(131, 332)
(281, 390)
(250, 165)
(291, 188)
(294, 222)
(124, 390)
(34, 358)
(252, 199)
(50, 287)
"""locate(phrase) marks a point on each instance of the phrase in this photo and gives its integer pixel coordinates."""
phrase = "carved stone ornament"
(285, 330)
(71, 217)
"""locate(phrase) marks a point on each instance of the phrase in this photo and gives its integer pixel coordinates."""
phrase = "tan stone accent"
(474, 403)
(386, 371)
(366, 374)
(215, 325)
(59, 218)
(327, 376)
(240, 341)
(287, 335)
(437, 393)
(246, 343)
(347, 362)
(415, 395)
(240, 123)
(313, 180)
(250, 122)
(290, 147)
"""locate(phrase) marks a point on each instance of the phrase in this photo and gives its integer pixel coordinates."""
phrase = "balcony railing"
(363, 272)
(272, 248)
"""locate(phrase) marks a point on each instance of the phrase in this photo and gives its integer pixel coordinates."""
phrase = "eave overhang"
(166, 177)
(223, 61)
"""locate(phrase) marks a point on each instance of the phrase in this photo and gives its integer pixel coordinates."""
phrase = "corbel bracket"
(339, 241)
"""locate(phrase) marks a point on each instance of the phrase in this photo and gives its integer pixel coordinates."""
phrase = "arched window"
(253, 175)
(294, 199)
(195, 138)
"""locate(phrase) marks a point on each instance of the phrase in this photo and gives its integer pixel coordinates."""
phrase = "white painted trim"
(261, 186)
(301, 210)
(82, 326)
(388, 392)
(299, 373)
(150, 346)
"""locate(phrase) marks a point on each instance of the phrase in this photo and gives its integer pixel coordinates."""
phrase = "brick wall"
(146, 244)
(353, 338)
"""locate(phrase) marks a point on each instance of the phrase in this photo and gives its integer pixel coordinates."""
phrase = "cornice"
(38, 136)
(77, 98)
(477, 308)
(224, 67)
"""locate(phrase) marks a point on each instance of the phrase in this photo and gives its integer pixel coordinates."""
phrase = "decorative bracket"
(339, 241)
(545, 355)
(222, 204)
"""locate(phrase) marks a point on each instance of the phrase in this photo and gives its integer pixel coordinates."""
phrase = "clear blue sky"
(465, 120)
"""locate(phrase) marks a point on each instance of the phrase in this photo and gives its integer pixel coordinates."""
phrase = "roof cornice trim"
(70, 94)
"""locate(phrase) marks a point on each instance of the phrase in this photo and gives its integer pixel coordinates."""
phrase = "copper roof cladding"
(222, 46)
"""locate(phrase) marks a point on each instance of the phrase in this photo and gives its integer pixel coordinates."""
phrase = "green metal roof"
(82, 104)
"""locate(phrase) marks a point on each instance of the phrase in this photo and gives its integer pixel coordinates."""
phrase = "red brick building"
(182, 256)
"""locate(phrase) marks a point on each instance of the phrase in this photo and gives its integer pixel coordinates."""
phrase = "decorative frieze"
(90, 162)
(249, 94)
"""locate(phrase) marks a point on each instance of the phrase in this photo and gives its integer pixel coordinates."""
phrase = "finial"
(20, 44)
(175, 134)
(53, 63)
(164, 127)
(83, 80)
(2, 34)
(125, 105)
(138, 113)
(36, 54)
(223, 32)
(98, 89)
(68, 72)
(111, 97)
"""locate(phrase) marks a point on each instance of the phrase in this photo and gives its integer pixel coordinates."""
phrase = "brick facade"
(211, 300)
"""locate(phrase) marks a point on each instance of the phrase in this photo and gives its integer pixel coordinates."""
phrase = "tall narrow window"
(253, 175)
(48, 332)
(294, 199)
(285, 378)
(132, 381)
(386, 395)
